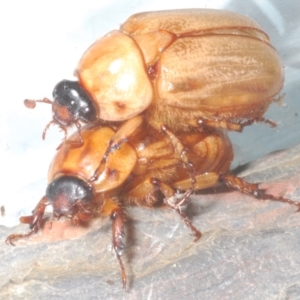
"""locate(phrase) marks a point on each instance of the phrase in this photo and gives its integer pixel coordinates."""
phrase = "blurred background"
(42, 43)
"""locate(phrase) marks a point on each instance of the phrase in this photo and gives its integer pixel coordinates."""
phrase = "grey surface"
(249, 249)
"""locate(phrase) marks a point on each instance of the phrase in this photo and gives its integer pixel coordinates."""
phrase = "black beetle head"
(71, 103)
(63, 193)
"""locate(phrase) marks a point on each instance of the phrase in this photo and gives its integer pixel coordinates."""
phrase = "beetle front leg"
(119, 138)
(81, 214)
(115, 212)
(35, 221)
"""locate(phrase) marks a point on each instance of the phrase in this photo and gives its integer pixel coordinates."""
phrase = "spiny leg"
(179, 149)
(115, 212)
(169, 195)
(252, 189)
(120, 137)
(227, 125)
(81, 213)
(35, 221)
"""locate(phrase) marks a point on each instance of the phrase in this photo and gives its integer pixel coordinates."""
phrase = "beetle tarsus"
(178, 207)
(196, 233)
(252, 189)
(118, 236)
(178, 201)
(261, 120)
(124, 276)
(35, 222)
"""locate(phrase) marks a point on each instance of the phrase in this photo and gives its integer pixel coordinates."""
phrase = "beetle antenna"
(32, 103)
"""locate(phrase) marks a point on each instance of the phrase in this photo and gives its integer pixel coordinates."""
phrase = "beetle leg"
(180, 150)
(115, 212)
(252, 189)
(73, 144)
(233, 126)
(119, 138)
(35, 221)
(262, 119)
(196, 233)
(179, 200)
(61, 127)
(81, 214)
(211, 179)
(169, 195)
(125, 131)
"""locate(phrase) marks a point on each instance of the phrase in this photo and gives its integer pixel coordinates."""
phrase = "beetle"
(182, 68)
(134, 164)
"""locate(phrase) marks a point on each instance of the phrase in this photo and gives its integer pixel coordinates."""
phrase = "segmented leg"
(176, 205)
(223, 124)
(81, 213)
(110, 208)
(35, 222)
(179, 149)
(211, 179)
(252, 189)
(120, 137)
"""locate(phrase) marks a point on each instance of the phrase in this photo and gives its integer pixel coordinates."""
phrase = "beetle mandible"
(183, 68)
(135, 164)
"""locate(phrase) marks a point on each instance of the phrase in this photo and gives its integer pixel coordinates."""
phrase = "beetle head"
(72, 103)
(65, 192)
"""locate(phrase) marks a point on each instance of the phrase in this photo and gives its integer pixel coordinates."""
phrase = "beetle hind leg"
(252, 189)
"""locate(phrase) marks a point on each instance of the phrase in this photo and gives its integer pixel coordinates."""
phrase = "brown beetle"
(135, 165)
(184, 68)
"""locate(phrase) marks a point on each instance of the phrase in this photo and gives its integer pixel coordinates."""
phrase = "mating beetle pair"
(158, 94)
